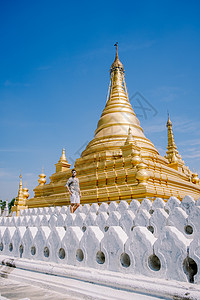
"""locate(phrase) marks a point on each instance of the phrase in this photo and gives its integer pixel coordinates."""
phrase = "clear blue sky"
(54, 75)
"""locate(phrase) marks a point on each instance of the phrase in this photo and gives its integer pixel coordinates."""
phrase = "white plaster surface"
(158, 221)
(112, 207)
(172, 203)
(156, 239)
(158, 203)
(94, 207)
(171, 248)
(142, 218)
(86, 209)
(127, 221)
(134, 205)
(122, 207)
(139, 247)
(103, 207)
(188, 204)
(69, 221)
(101, 220)
(113, 219)
(112, 245)
(146, 204)
(178, 218)
(25, 285)
(71, 242)
(90, 245)
(90, 219)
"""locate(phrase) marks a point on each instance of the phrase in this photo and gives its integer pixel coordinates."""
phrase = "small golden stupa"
(120, 162)
(21, 199)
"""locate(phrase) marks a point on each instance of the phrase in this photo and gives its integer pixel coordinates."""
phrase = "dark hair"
(73, 170)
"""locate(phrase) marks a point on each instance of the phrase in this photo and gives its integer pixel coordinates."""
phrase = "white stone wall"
(157, 239)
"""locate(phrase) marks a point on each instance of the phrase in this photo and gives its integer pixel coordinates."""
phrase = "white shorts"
(75, 198)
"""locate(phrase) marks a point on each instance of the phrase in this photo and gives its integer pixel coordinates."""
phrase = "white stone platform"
(81, 283)
(156, 240)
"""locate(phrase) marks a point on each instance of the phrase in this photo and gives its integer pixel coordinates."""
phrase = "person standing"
(73, 188)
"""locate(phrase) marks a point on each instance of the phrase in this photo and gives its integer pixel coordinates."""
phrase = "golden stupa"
(120, 162)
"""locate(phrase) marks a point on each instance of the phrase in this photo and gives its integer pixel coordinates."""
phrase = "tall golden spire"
(20, 201)
(117, 117)
(172, 153)
(20, 191)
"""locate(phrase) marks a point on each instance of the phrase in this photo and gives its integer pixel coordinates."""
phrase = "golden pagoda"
(120, 162)
(21, 199)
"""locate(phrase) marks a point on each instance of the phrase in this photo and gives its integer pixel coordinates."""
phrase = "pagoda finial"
(171, 142)
(172, 153)
(20, 192)
(116, 45)
(117, 63)
(20, 200)
(62, 164)
(63, 156)
(168, 120)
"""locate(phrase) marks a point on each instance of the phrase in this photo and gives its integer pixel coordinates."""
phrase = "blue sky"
(55, 58)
